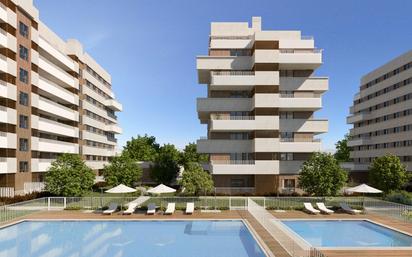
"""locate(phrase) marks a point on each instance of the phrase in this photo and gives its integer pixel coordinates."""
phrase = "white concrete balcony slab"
(8, 65)
(8, 115)
(3, 13)
(89, 77)
(235, 80)
(266, 100)
(206, 63)
(114, 105)
(93, 122)
(115, 128)
(58, 91)
(49, 145)
(266, 145)
(8, 90)
(98, 151)
(8, 140)
(224, 146)
(54, 127)
(96, 165)
(300, 147)
(237, 123)
(56, 72)
(359, 141)
(303, 125)
(253, 168)
(319, 84)
(300, 59)
(223, 104)
(355, 166)
(94, 137)
(93, 108)
(290, 167)
(57, 109)
(41, 165)
(62, 58)
(8, 165)
(230, 43)
(354, 118)
(300, 103)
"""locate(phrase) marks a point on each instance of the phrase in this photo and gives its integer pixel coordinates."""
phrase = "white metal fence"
(31, 187)
(395, 210)
(6, 191)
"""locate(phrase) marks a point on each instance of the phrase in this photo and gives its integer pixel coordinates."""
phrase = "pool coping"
(354, 248)
(263, 246)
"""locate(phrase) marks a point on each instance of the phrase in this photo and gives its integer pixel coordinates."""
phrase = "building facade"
(54, 98)
(259, 109)
(381, 116)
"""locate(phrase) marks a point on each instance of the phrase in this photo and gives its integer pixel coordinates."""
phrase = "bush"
(401, 197)
(22, 198)
(73, 208)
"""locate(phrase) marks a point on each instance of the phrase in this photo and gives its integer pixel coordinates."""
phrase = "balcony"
(114, 105)
(57, 109)
(359, 141)
(290, 167)
(290, 58)
(300, 146)
(250, 167)
(243, 123)
(206, 63)
(242, 80)
(223, 104)
(96, 165)
(8, 140)
(224, 146)
(98, 151)
(62, 58)
(7, 115)
(55, 71)
(114, 128)
(358, 117)
(40, 165)
(351, 166)
(94, 137)
(49, 145)
(8, 165)
(54, 127)
(318, 84)
(58, 91)
(303, 125)
(300, 103)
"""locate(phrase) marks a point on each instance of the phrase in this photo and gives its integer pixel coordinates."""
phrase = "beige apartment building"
(382, 116)
(261, 98)
(54, 98)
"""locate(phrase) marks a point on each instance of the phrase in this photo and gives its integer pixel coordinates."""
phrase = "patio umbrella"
(121, 189)
(161, 189)
(363, 188)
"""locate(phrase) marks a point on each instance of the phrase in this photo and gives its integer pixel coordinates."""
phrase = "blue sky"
(149, 47)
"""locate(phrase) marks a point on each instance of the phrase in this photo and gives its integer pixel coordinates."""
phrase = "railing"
(228, 117)
(306, 37)
(234, 162)
(233, 73)
(235, 190)
(295, 246)
(300, 140)
(398, 211)
(296, 51)
(6, 191)
(30, 187)
(231, 37)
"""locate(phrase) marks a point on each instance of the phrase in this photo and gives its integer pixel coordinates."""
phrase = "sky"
(150, 46)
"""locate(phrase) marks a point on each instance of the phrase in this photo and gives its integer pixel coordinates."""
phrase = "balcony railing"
(231, 37)
(227, 117)
(233, 73)
(299, 139)
(234, 162)
(299, 51)
(306, 37)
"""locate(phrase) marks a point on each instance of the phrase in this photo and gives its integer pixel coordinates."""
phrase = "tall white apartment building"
(381, 116)
(54, 98)
(260, 104)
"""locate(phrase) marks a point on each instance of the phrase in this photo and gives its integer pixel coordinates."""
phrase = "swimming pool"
(348, 233)
(129, 238)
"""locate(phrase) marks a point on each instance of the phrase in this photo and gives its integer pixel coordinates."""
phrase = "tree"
(68, 175)
(342, 149)
(387, 173)
(122, 170)
(321, 175)
(195, 180)
(142, 148)
(190, 154)
(166, 167)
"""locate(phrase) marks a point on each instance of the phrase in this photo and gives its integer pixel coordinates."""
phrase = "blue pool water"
(345, 233)
(128, 238)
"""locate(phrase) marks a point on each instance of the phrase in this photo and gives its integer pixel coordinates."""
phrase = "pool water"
(347, 233)
(128, 238)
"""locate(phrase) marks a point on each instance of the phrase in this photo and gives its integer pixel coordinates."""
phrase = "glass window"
(23, 166)
(24, 76)
(286, 156)
(289, 183)
(24, 52)
(23, 121)
(23, 144)
(24, 99)
(24, 30)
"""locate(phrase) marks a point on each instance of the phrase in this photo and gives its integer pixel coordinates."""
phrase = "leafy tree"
(68, 175)
(190, 154)
(321, 175)
(195, 180)
(166, 167)
(142, 148)
(122, 170)
(387, 173)
(342, 150)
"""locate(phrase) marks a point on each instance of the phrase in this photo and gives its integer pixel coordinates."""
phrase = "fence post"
(64, 203)
(48, 203)
(230, 203)
(264, 202)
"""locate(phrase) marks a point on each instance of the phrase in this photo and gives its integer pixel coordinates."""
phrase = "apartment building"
(54, 98)
(260, 104)
(382, 116)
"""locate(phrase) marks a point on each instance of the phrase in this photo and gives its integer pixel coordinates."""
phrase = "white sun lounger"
(348, 209)
(112, 209)
(130, 209)
(309, 208)
(190, 208)
(151, 209)
(323, 208)
(170, 208)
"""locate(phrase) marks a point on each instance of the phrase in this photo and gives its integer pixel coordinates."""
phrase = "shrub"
(401, 197)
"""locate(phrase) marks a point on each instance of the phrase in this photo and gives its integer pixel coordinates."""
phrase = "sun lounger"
(112, 209)
(131, 208)
(151, 209)
(324, 209)
(348, 209)
(190, 208)
(170, 208)
(310, 209)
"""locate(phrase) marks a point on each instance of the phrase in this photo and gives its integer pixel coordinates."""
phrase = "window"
(24, 99)
(237, 182)
(23, 144)
(23, 166)
(24, 76)
(23, 121)
(286, 156)
(24, 52)
(288, 183)
(24, 30)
